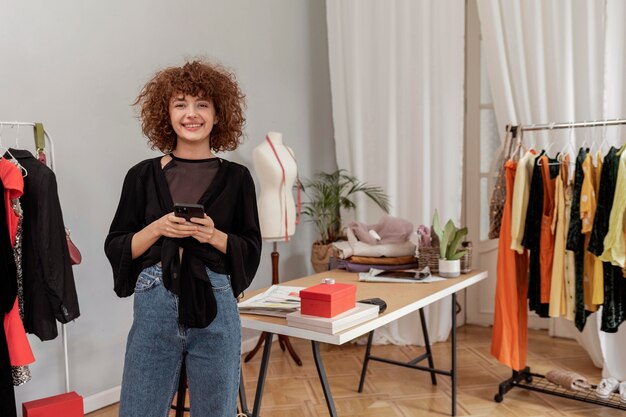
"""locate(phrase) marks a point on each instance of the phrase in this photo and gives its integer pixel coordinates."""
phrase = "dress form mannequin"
(276, 169)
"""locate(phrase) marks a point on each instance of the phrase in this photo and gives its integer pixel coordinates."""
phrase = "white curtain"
(397, 73)
(560, 61)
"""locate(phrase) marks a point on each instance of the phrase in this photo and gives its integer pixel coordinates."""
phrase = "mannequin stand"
(283, 340)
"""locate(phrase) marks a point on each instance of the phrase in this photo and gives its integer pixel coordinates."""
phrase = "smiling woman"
(185, 273)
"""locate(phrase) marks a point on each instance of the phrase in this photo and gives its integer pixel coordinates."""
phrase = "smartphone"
(188, 210)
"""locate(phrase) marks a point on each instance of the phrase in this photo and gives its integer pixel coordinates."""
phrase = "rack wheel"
(498, 398)
(529, 378)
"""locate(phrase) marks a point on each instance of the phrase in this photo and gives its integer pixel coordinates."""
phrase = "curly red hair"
(198, 79)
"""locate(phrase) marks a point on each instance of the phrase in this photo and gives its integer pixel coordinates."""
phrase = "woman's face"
(192, 118)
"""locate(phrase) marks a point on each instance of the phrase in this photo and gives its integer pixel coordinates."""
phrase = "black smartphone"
(188, 210)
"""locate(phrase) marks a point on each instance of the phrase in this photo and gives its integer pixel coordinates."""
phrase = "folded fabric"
(606, 387)
(382, 260)
(622, 392)
(354, 247)
(568, 380)
(390, 230)
(352, 267)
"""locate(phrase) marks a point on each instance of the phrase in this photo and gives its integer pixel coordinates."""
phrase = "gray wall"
(76, 66)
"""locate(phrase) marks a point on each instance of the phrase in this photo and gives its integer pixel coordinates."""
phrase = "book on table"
(359, 314)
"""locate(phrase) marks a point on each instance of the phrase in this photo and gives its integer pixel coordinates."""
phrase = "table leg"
(323, 379)
(431, 362)
(242, 395)
(366, 360)
(262, 373)
(453, 371)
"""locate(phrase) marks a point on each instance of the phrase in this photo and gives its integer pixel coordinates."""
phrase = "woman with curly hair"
(185, 275)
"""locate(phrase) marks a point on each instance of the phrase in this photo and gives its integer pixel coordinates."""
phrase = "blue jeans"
(157, 343)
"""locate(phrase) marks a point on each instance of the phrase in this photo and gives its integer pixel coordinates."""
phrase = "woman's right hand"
(172, 226)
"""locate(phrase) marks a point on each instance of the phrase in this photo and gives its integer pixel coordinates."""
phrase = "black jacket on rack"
(49, 288)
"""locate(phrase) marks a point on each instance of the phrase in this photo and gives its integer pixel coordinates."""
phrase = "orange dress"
(20, 352)
(546, 251)
(509, 340)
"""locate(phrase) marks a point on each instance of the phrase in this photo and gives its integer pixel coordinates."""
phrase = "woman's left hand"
(206, 229)
(207, 233)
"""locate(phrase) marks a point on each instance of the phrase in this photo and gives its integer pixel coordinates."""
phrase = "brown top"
(188, 179)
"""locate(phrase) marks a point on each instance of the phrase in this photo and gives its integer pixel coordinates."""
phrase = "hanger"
(518, 133)
(13, 159)
(551, 144)
(604, 141)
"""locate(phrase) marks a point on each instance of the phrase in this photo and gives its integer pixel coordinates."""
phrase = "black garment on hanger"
(49, 288)
(614, 306)
(8, 292)
(532, 238)
(576, 241)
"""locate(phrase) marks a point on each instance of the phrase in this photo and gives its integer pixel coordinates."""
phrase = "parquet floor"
(391, 391)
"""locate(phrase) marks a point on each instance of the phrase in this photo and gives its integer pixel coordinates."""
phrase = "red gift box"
(67, 405)
(327, 300)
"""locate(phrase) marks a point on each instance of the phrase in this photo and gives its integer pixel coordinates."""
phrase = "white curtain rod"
(571, 125)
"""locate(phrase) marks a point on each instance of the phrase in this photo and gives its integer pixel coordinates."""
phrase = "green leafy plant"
(450, 237)
(328, 193)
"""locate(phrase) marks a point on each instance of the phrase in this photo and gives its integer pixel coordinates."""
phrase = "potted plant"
(327, 194)
(450, 237)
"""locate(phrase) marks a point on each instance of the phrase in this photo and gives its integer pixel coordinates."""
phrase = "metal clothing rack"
(525, 378)
(45, 133)
(50, 163)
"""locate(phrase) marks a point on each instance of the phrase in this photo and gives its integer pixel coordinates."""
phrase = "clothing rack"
(570, 125)
(31, 124)
(51, 165)
(525, 378)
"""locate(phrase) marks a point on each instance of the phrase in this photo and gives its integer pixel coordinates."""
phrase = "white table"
(401, 299)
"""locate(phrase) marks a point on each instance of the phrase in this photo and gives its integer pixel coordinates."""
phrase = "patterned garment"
(17, 254)
(576, 241)
(20, 374)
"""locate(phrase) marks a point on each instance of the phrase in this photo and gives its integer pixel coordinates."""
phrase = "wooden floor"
(293, 391)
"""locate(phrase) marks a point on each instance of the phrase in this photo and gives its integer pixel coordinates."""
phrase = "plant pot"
(449, 269)
(320, 257)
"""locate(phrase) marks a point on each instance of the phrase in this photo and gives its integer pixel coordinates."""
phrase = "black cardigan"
(230, 201)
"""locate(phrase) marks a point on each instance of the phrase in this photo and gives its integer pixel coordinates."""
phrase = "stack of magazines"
(331, 325)
(277, 300)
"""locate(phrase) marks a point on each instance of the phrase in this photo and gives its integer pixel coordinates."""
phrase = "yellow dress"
(557, 287)
(588, 204)
(597, 290)
(570, 268)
